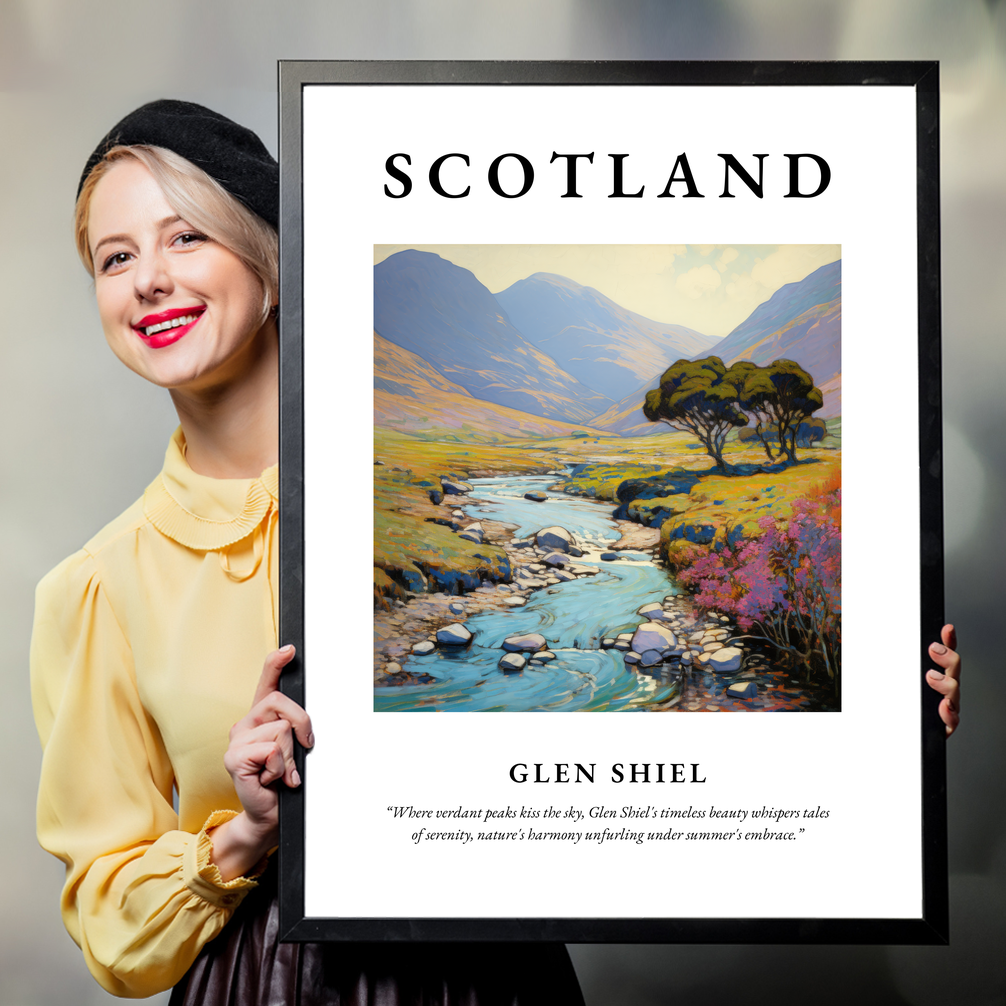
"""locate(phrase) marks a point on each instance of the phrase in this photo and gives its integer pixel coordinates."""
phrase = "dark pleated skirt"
(246, 965)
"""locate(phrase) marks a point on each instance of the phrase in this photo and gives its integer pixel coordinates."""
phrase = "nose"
(152, 276)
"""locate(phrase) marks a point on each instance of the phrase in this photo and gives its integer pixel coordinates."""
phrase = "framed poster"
(621, 380)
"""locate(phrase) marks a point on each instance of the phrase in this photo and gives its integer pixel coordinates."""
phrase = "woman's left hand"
(947, 682)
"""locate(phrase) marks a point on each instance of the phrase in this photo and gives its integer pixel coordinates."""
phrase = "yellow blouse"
(147, 647)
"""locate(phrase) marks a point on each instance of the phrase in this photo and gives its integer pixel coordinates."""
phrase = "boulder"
(521, 543)
(650, 658)
(536, 496)
(609, 556)
(742, 690)
(511, 663)
(423, 648)
(727, 659)
(456, 608)
(529, 641)
(515, 602)
(608, 642)
(455, 488)
(436, 497)
(631, 658)
(555, 539)
(555, 559)
(653, 636)
(564, 576)
(454, 635)
(544, 656)
(647, 608)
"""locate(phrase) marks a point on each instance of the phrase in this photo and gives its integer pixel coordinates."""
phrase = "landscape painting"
(607, 478)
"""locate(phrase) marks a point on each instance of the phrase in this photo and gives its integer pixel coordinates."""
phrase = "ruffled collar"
(203, 513)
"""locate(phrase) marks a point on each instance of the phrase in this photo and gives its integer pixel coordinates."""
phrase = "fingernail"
(938, 648)
(295, 777)
(936, 675)
(287, 649)
(951, 706)
(310, 740)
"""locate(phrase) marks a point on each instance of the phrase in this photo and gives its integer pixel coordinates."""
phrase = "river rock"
(544, 656)
(521, 543)
(564, 576)
(607, 642)
(631, 657)
(727, 659)
(512, 662)
(454, 635)
(456, 608)
(531, 641)
(555, 559)
(555, 539)
(650, 658)
(647, 608)
(455, 488)
(473, 533)
(575, 552)
(436, 497)
(742, 690)
(535, 496)
(515, 602)
(653, 636)
(609, 556)
(423, 648)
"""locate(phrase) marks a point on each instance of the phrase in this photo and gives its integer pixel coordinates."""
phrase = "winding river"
(572, 617)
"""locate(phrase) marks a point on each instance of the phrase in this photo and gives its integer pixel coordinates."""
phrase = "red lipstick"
(165, 324)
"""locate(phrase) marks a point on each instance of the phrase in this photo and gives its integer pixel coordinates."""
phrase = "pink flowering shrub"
(783, 586)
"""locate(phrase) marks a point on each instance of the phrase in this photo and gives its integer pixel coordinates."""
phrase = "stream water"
(572, 616)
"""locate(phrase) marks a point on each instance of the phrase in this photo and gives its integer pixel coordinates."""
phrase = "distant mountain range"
(547, 355)
(603, 345)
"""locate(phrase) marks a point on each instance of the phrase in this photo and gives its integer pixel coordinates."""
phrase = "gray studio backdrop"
(82, 437)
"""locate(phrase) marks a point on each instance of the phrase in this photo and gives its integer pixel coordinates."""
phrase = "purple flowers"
(784, 585)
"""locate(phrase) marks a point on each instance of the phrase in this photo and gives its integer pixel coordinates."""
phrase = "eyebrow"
(111, 238)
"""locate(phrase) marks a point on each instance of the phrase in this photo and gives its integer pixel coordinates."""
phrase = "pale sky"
(710, 288)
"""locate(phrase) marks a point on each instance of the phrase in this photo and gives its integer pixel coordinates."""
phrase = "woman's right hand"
(259, 754)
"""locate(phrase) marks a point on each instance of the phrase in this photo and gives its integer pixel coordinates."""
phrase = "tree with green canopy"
(695, 398)
(784, 392)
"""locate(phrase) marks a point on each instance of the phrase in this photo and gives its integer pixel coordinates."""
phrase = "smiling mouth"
(165, 325)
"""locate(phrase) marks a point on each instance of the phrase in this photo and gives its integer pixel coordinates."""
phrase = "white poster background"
(861, 764)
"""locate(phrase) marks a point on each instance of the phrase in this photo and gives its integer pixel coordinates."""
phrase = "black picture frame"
(931, 927)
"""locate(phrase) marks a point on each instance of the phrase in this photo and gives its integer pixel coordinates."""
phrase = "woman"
(149, 642)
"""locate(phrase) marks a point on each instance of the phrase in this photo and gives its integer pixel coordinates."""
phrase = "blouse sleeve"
(141, 898)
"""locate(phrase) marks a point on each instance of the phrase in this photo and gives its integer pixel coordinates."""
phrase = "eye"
(115, 261)
(189, 239)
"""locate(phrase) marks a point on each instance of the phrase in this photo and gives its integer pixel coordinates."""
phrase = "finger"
(950, 716)
(280, 733)
(949, 660)
(271, 670)
(949, 636)
(261, 760)
(276, 706)
(946, 685)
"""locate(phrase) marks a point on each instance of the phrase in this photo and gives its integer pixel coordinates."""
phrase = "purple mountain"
(602, 344)
(443, 314)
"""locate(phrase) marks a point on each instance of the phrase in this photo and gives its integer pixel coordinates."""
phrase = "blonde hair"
(199, 200)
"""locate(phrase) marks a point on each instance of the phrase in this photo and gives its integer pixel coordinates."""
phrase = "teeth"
(174, 323)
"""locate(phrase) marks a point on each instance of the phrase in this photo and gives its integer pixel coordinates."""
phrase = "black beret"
(231, 154)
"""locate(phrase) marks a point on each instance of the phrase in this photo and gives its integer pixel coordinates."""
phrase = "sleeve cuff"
(202, 876)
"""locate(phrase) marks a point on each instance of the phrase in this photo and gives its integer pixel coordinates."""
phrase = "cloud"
(729, 254)
(791, 263)
(698, 282)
